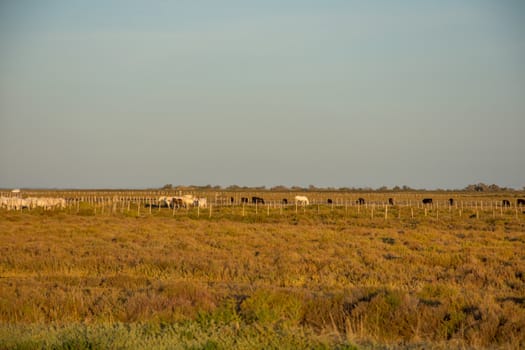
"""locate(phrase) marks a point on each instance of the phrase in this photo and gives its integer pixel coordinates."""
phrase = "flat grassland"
(71, 279)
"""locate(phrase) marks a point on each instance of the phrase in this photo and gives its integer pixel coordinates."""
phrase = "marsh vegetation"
(321, 278)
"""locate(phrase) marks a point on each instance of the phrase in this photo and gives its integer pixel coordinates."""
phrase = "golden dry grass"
(452, 282)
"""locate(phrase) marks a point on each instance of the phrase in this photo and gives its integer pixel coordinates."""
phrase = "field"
(113, 271)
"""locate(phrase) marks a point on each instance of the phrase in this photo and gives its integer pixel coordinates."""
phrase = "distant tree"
(481, 187)
(471, 188)
(167, 187)
(279, 188)
(494, 188)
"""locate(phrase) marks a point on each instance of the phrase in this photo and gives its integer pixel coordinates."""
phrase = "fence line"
(109, 203)
(144, 206)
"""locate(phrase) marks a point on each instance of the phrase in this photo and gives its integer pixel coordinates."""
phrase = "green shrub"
(269, 307)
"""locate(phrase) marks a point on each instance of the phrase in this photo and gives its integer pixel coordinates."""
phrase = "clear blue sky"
(429, 94)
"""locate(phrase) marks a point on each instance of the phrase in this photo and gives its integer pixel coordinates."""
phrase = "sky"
(333, 93)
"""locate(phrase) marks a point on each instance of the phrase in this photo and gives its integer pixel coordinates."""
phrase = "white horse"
(303, 200)
(165, 202)
(200, 202)
(187, 200)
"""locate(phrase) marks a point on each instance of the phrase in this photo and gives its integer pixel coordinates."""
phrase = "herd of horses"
(504, 202)
(186, 201)
(303, 200)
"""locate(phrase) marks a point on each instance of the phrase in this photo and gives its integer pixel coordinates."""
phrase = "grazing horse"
(257, 200)
(165, 202)
(360, 201)
(391, 201)
(451, 201)
(185, 201)
(505, 203)
(303, 200)
(329, 201)
(188, 200)
(244, 200)
(284, 201)
(200, 203)
(427, 200)
(520, 201)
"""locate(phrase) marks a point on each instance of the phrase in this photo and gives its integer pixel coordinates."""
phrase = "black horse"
(257, 200)
(427, 200)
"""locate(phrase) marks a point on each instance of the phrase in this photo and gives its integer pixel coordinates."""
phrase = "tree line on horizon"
(479, 187)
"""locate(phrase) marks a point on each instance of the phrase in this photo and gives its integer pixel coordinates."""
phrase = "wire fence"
(218, 203)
